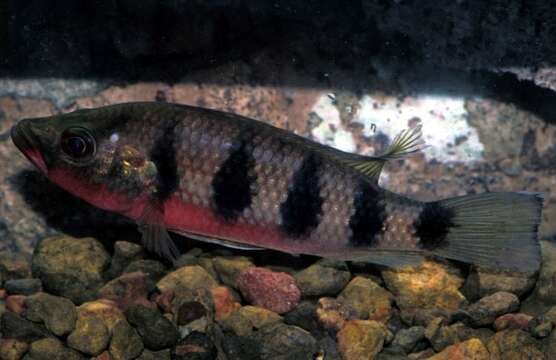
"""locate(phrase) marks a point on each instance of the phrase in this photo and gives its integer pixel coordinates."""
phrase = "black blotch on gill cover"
(432, 225)
(369, 215)
(302, 209)
(232, 184)
(163, 155)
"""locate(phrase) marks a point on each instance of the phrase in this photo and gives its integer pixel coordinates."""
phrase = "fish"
(227, 179)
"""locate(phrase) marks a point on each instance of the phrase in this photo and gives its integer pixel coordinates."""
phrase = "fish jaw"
(25, 140)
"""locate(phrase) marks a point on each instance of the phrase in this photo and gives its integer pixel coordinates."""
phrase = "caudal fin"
(494, 230)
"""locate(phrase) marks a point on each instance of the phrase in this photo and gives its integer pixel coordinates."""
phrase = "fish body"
(224, 178)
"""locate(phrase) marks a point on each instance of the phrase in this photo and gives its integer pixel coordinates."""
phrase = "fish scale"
(223, 178)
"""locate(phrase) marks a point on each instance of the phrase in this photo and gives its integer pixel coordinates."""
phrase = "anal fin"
(389, 258)
(222, 242)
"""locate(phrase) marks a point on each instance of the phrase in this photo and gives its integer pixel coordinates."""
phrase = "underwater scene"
(253, 180)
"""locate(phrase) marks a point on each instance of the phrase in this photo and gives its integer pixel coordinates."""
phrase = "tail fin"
(494, 230)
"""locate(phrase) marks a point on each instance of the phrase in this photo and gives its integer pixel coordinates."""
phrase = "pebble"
(127, 289)
(224, 302)
(332, 313)
(155, 355)
(104, 310)
(196, 346)
(512, 321)
(20, 328)
(470, 349)
(16, 303)
(481, 283)
(186, 280)
(71, 267)
(12, 349)
(244, 320)
(91, 336)
(361, 339)
(442, 336)
(57, 313)
(368, 299)
(407, 339)
(13, 269)
(125, 344)
(124, 253)
(324, 278)
(190, 311)
(281, 341)
(51, 349)
(304, 316)
(546, 284)
(23, 286)
(156, 331)
(429, 285)
(514, 344)
(487, 309)
(154, 270)
(228, 268)
(276, 291)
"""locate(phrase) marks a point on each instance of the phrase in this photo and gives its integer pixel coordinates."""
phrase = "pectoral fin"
(155, 237)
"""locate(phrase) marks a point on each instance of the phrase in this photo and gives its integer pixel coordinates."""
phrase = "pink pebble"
(276, 291)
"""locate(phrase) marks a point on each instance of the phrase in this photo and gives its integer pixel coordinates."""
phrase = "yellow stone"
(472, 349)
(361, 339)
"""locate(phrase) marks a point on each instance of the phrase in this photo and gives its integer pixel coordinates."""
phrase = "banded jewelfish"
(224, 178)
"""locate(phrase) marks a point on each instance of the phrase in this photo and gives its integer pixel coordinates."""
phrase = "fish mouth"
(24, 139)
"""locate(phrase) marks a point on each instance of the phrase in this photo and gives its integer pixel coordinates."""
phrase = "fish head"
(88, 153)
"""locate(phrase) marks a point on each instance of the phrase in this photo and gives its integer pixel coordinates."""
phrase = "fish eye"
(77, 143)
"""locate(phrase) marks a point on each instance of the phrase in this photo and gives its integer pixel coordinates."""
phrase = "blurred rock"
(272, 290)
(486, 310)
(369, 300)
(361, 339)
(19, 328)
(407, 339)
(470, 349)
(11, 269)
(129, 288)
(16, 303)
(430, 285)
(244, 320)
(224, 302)
(156, 331)
(12, 349)
(57, 313)
(481, 283)
(51, 348)
(104, 310)
(125, 343)
(304, 316)
(196, 346)
(154, 270)
(281, 342)
(91, 336)
(71, 267)
(229, 267)
(324, 278)
(545, 290)
(23, 286)
(332, 313)
(155, 355)
(514, 344)
(512, 321)
(442, 336)
(186, 280)
(124, 253)
(190, 311)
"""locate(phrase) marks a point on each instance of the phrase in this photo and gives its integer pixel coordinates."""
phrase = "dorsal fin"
(407, 142)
